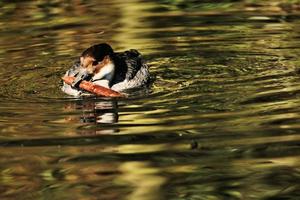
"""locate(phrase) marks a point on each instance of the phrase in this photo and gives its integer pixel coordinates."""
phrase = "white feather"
(106, 72)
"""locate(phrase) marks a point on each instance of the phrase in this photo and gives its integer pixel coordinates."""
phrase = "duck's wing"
(134, 63)
(128, 64)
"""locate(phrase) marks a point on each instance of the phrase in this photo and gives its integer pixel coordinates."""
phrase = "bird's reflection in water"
(97, 112)
(142, 178)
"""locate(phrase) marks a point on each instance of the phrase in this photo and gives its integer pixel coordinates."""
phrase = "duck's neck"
(104, 72)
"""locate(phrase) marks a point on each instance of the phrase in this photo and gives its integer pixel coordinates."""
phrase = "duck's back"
(130, 70)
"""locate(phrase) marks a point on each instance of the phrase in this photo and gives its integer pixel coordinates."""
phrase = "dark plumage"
(129, 63)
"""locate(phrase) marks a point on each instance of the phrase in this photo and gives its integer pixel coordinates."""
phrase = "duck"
(102, 66)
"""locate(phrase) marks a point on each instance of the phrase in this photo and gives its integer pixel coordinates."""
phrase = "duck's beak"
(82, 75)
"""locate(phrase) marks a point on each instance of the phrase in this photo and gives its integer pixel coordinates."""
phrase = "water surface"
(220, 121)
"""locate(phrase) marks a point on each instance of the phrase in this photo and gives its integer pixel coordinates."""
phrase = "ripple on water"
(220, 121)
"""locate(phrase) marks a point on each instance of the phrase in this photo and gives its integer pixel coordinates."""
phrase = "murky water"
(221, 120)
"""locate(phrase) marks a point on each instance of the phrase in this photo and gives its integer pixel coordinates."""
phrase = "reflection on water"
(220, 121)
(97, 112)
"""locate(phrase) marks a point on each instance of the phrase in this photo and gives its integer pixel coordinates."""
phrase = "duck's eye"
(95, 62)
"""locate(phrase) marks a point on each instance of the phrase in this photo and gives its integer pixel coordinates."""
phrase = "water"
(220, 121)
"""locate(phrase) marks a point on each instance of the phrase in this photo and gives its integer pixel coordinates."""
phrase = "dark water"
(221, 120)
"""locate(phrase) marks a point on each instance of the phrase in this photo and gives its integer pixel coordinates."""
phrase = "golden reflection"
(130, 148)
(132, 23)
(144, 178)
(265, 140)
(182, 168)
(291, 161)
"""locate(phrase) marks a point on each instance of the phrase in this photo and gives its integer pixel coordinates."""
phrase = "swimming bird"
(102, 66)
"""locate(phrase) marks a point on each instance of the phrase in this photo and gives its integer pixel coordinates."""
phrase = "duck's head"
(95, 62)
